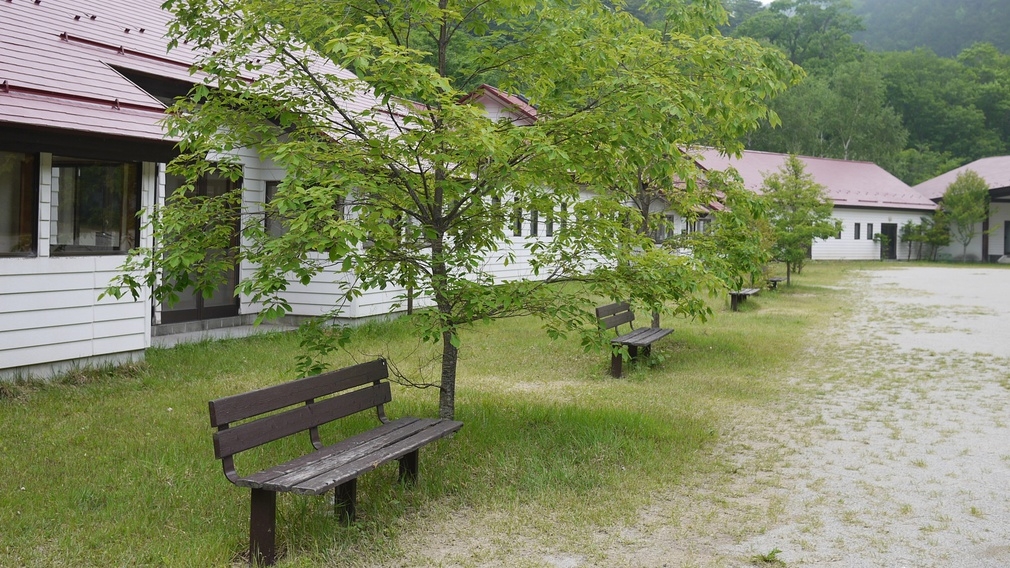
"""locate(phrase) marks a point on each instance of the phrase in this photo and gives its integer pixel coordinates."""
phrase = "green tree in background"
(843, 115)
(966, 205)
(814, 34)
(799, 212)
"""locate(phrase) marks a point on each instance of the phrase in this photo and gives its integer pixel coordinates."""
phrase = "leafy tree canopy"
(815, 34)
(413, 191)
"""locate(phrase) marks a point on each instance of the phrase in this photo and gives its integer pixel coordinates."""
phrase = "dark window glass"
(274, 226)
(869, 231)
(94, 206)
(18, 204)
(534, 222)
(856, 232)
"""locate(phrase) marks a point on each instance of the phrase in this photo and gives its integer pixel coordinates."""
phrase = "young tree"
(413, 190)
(799, 212)
(966, 205)
(935, 233)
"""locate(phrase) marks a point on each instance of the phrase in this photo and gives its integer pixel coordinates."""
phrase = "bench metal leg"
(409, 467)
(343, 500)
(734, 302)
(262, 521)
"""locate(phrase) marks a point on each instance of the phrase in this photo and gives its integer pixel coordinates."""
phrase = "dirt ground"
(902, 461)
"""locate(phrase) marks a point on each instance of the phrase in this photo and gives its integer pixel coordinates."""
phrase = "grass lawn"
(116, 468)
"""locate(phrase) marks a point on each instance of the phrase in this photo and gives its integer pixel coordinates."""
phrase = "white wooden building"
(867, 199)
(82, 151)
(992, 240)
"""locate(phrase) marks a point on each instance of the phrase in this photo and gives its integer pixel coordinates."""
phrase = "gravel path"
(908, 459)
(895, 454)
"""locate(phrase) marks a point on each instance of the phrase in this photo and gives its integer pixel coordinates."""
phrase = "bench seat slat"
(257, 479)
(324, 469)
(330, 458)
(436, 429)
(642, 336)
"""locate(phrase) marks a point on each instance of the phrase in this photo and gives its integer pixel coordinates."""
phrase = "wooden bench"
(737, 296)
(356, 389)
(613, 315)
(773, 283)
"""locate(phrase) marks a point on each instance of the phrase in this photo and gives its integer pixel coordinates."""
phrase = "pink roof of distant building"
(847, 183)
(512, 102)
(995, 171)
(57, 68)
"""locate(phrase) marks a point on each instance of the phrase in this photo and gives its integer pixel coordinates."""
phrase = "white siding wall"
(849, 248)
(998, 214)
(50, 314)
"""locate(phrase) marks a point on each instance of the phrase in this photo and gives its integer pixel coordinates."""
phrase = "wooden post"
(262, 520)
(344, 497)
(409, 467)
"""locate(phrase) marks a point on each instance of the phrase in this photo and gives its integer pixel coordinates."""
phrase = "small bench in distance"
(355, 389)
(613, 315)
(738, 296)
(773, 283)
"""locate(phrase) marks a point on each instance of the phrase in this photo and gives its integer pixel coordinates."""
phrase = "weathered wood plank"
(277, 426)
(611, 309)
(246, 405)
(610, 322)
(257, 479)
(642, 337)
(322, 483)
(335, 459)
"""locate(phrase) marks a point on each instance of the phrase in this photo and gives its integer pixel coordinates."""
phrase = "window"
(698, 226)
(549, 225)
(869, 231)
(18, 204)
(856, 232)
(274, 226)
(534, 222)
(94, 206)
(564, 216)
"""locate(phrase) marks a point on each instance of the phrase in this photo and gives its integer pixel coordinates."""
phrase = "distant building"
(867, 199)
(993, 240)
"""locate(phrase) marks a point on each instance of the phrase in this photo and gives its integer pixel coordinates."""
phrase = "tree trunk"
(447, 390)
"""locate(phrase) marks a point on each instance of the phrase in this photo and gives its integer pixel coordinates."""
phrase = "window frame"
(75, 249)
(855, 234)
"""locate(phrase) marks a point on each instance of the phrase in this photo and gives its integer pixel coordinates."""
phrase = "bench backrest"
(307, 413)
(613, 315)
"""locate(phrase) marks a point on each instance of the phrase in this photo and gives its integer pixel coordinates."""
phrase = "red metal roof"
(847, 183)
(57, 68)
(511, 102)
(995, 171)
